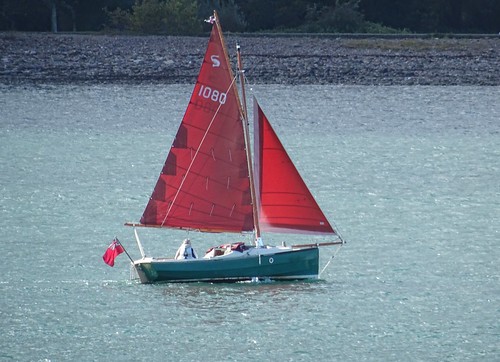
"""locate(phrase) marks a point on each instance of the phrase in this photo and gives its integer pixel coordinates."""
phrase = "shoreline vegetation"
(348, 59)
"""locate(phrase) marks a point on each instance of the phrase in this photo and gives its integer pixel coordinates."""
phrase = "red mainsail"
(204, 183)
(286, 204)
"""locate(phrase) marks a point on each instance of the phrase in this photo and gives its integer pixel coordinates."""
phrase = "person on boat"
(186, 251)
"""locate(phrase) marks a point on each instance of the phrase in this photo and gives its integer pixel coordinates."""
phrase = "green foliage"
(186, 16)
(260, 14)
(344, 17)
(165, 17)
(376, 28)
(148, 17)
(119, 19)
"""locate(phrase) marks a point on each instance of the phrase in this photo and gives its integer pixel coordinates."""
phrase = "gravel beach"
(40, 58)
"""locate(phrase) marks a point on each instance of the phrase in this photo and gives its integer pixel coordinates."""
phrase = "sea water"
(409, 175)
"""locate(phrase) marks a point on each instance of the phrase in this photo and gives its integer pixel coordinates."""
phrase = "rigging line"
(331, 258)
(251, 85)
(337, 232)
(195, 154)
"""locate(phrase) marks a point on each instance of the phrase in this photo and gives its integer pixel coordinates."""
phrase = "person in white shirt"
(186, 251)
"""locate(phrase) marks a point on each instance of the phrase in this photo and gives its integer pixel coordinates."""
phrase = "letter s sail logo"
(215, 61)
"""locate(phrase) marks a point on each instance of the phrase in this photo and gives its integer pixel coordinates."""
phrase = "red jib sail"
(204, 183)
(286, 204)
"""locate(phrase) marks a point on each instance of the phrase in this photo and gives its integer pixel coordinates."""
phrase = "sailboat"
(209, 183)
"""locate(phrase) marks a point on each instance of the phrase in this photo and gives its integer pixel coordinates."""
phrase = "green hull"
(289, 264)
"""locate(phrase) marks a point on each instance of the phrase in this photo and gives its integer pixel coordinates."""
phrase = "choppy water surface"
(410, 176)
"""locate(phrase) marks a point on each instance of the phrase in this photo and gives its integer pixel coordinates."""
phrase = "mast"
(243, 107)
(241, 72)
(258, 241)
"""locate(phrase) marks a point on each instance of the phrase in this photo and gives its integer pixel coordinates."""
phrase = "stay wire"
(330, 260)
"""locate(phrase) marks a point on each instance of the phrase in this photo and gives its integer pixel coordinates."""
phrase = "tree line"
(186, 16)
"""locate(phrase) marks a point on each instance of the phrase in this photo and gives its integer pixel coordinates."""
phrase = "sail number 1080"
(212, 94)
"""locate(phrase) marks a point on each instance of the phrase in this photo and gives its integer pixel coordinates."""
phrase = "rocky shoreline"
(27, 58)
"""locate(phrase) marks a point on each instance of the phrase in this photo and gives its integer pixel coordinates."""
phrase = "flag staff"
(125, 250)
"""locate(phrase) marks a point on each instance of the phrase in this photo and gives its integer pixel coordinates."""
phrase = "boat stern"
(144, 271)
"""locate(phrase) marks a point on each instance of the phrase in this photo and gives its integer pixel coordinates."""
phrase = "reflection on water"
(209, 295)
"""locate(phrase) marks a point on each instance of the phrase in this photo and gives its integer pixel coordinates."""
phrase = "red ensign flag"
(113, 250)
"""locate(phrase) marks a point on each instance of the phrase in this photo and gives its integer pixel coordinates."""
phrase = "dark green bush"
(171, 17)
